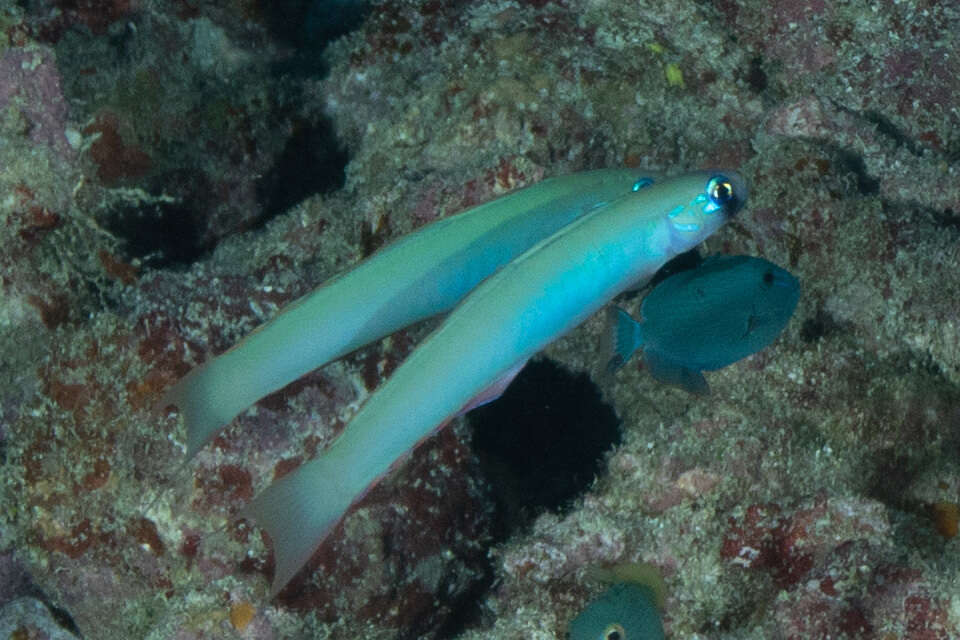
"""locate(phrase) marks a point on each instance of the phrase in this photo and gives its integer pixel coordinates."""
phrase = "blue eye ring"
(720, 191)
(614, 631)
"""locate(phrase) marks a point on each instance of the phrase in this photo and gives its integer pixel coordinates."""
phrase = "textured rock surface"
(29, 618)
(813, 495)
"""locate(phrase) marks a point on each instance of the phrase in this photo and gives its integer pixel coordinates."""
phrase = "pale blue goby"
(420, 275)
(528, 303)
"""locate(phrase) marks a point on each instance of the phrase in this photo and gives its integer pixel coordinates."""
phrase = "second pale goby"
(419, 275)
(530, 302)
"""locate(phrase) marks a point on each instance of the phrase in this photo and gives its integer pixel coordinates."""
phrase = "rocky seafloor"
(172, 172)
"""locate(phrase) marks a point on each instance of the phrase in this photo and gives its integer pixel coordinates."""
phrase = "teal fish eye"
(641, 183)
(614, 631)
(720, 191)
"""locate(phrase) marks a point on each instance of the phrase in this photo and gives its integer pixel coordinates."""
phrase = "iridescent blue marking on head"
(706, 199)
(641, 183)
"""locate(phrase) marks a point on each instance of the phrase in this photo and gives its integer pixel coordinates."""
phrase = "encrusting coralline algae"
(805, 496)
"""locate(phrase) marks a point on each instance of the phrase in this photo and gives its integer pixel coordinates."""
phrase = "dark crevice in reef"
(854, 164)
(947, 219)
(542, 443)
(893, 472)
(230, 134)
(312, 162)
(469, 611)
(927, 427)
(158, 234)
(19, 585)
(887, 128)
(64, 619)
(309, 26)
(755, 76)
(171, 234)
(820, 325)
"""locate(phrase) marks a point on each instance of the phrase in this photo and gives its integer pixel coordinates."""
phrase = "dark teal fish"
(628, 610)
(706, 318)
(625, 611)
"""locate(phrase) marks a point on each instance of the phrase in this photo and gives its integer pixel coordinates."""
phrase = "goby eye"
(720, 191)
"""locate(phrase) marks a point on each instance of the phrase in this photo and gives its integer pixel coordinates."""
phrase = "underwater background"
(172, 172)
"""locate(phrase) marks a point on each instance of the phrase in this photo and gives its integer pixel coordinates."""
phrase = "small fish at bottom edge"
(628, 610)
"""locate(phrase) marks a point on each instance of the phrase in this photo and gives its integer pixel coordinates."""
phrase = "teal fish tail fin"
(196, 398)
(626, 336)
(299, 510)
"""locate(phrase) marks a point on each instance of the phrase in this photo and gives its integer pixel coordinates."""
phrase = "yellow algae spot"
(674, 75)
(641, 573)
(946, 518)
(655, 47)
(241, 614)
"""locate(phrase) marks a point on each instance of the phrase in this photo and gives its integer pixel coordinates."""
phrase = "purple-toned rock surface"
(27, 618)
(813, 495)
(30, 82)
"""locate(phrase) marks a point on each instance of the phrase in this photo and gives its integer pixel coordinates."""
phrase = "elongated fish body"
(422, 274)
(528, 303)
(707, 318)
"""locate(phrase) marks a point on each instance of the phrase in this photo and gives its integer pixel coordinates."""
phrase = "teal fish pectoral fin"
(694, 382)
(494, 391)
(626, 337)
(753, 320)
(670, 372)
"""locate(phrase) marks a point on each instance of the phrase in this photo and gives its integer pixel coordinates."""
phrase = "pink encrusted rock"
(555, 551)
(797, 35)
(829, 561)
(766, 505)
(814, 118)
(30, 83)
(806, 118)
(40, 229)
(789, 545)
(906, 599)
(897, 600)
